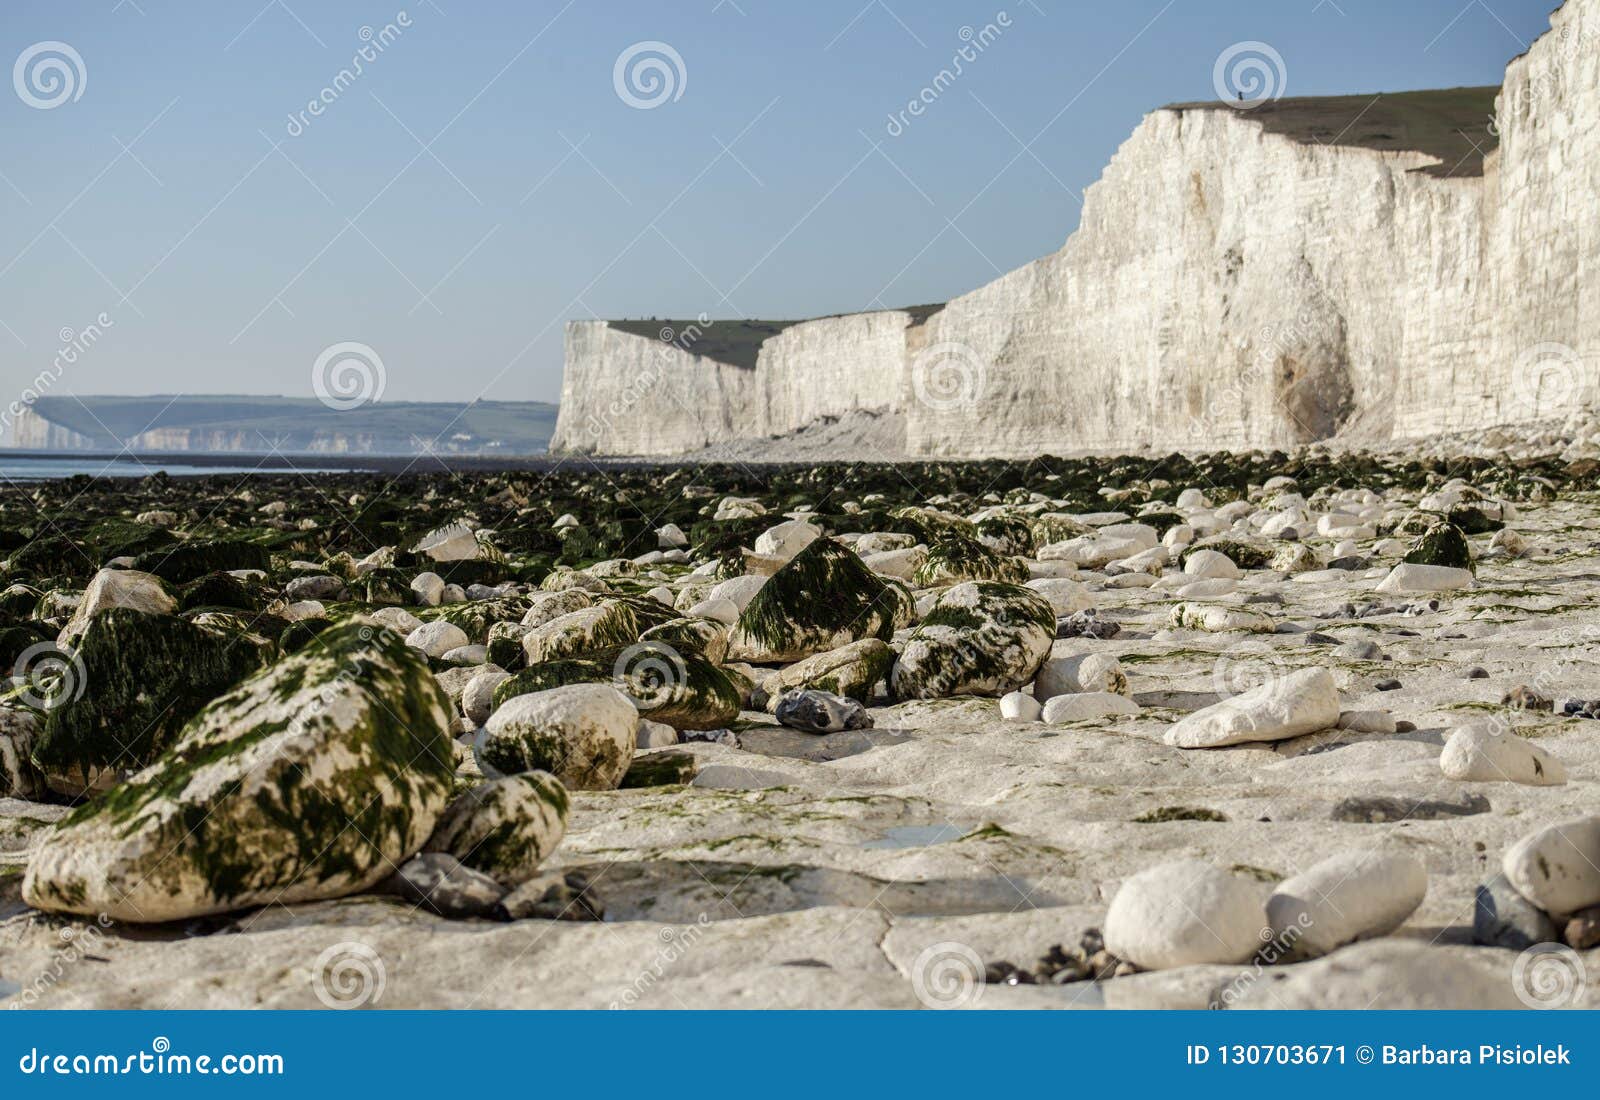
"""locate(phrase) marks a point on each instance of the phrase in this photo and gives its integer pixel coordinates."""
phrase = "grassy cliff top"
(1450, 124)
(737, 343)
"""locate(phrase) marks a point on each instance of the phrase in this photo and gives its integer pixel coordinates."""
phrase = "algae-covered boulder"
(824, 598)
(677, 686)
(606, 624)
(475, 617)
(119, 588)
(136, 679)
(19, 729)
(850, 670)
(954, 559)
(1442, 544)
(583, 734)
(980, 638)
(311, 780)
(505, 827)
(704, 636)
(189, 561)
(1006, 534)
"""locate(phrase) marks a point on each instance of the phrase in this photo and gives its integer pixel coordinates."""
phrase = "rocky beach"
(1240, 730)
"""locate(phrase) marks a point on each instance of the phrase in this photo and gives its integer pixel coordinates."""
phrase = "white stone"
(897, 563)
(437, 638)
(428, 588)
(786, 540)
(1479, 754)
(1082, 706)
(1210, 563)
(654, 735)
(1367, 721)
(1072, 673)
(738, 591)
(1185, 913)
(397, 619)
(455, 542)
(119, 588)
(1067, 597)
(1019, 706)
(1357, 895)
(1408, 579)
(1558, 867)
(716, 609)
(583, 734)
(1217, 620)
(477, 698)
(671, 537)
(1301, 702)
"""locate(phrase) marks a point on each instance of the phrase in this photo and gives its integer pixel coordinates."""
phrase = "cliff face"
(628, 394)
(1231, 285)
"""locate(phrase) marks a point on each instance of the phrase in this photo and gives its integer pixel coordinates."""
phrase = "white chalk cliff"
(1233, 283)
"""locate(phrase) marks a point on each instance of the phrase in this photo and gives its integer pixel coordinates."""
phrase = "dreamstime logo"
(1548, 975)
(648, 75)
(948, 377)
(373, 43)
(349, 975)
(1248, 74)
(1546, 380)
(947, 975)
(50, 676)
(974, 43)
(49, 74)
(1245, 667)
(347, 376)
(649, 673)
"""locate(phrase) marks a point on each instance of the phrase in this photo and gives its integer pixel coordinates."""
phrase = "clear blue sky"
(157, 198)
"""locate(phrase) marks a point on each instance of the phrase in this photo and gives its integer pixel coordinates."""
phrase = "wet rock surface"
(1056, 699)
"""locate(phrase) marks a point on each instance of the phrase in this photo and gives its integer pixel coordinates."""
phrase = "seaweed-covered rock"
(607, 624)
(825, 598)
(188, 561)
(679, 687)
(475, 617)
(1008, 535)
(119, 588)
(582, 734)
(544, 607)
(850, 670)
(19, 729)
(442, 884)
(137, 679)
(505, 827)
(1442, 544)
(980, 638)
(311, 780)
(955, 558)
(704, 636)
(1245, 555)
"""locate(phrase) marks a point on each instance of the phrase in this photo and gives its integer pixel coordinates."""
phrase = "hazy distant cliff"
(260, 425)
(1240, 278)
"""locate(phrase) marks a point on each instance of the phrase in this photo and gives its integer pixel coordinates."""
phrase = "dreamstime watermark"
(1274, 344)
(1548, 379)
(49, 74)
(974, 43)
(1542, 86)
(78, 942)
(1247, 666)
(1275, 947)
(648, 75)
(347, 376)
(1549, 975)
(948, 975)
(1248, 74)
(74, 345)
(948, 377)
(674, 943)
(373, 43)
(50, 676)
(603, 423)
(349, 975)
(650, 674)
